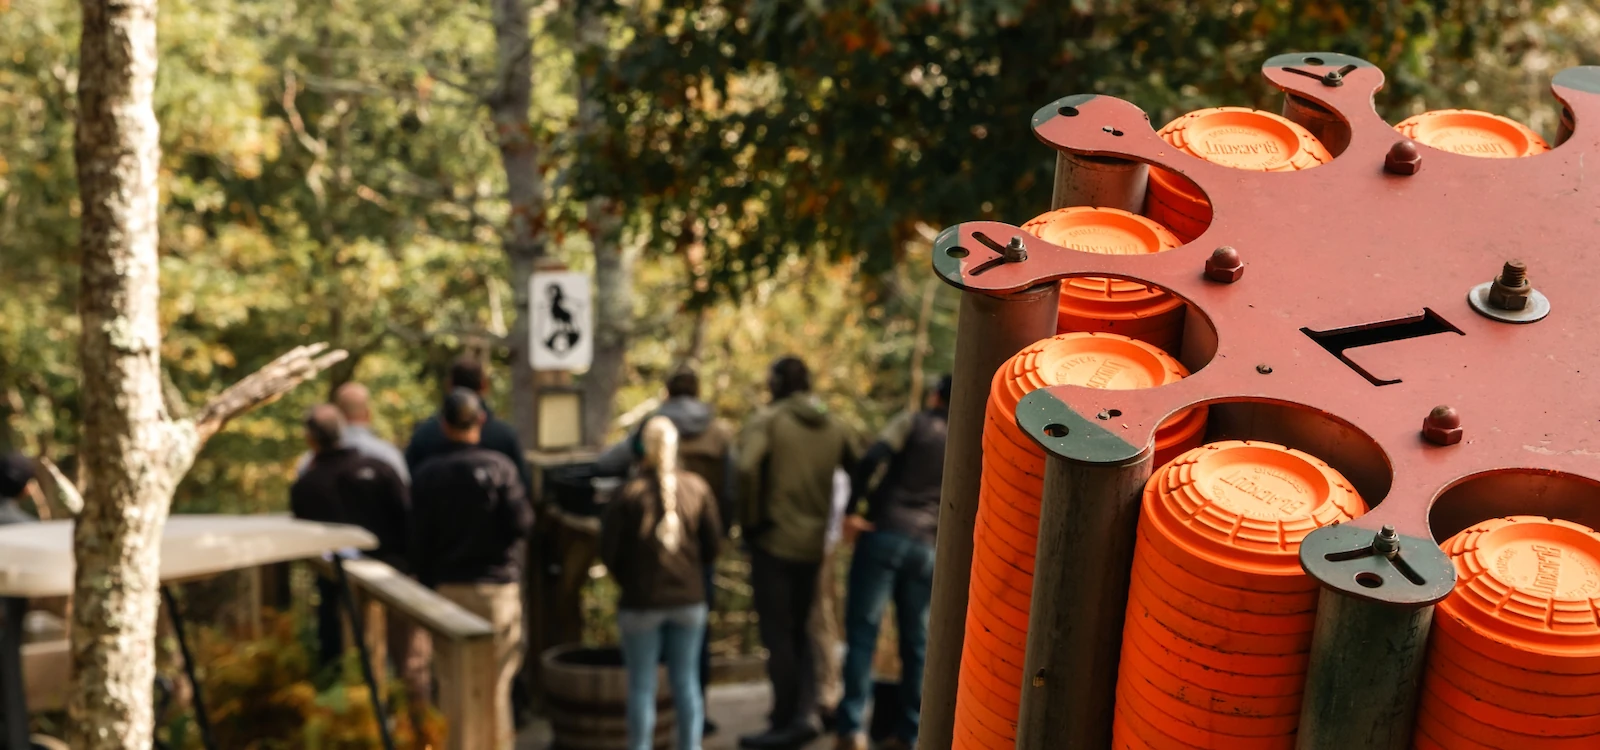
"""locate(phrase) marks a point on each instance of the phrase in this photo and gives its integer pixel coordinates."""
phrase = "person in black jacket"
(341, 485)
(471, 516)
(893, 559)
(16, 473)
(430, 440)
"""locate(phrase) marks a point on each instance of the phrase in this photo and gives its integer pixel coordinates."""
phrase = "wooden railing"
(465, 640)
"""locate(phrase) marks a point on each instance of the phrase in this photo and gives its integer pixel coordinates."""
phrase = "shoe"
(709, 729)
(830, 720)
(851, 742)
(788, 738)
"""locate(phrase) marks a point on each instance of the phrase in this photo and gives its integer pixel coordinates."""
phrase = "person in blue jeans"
(899, 478)
(657, 536)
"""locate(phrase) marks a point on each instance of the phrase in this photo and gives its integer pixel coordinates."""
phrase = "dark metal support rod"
(348, 597)
(1365, 674)
(988, 332)
(1088, 522)
(201, 718)
(1099, 181)
(12, 689)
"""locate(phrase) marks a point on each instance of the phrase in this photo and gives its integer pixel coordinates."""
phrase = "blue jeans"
(886, 564)
(647, 636)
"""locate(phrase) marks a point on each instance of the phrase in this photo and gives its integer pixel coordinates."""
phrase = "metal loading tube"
(988, 332)
(1099, 181)
(1088, 521)
(1366, 670)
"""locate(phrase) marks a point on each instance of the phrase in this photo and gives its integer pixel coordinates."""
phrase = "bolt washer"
(1538, 306)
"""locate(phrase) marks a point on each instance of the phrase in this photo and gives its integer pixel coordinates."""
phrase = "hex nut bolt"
(1387, 542)
(1016, 251)
(1442, 426)
(1403, 158)
(1510, 289)
(1224, 265)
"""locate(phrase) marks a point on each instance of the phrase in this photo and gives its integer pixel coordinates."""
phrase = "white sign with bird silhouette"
(563, 320)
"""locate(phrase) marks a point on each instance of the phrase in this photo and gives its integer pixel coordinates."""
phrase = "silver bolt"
(1016, 251)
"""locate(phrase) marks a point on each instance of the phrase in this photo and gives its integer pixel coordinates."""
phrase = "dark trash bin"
(571, 488)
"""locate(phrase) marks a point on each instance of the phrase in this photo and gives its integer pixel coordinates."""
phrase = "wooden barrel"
(587, 690)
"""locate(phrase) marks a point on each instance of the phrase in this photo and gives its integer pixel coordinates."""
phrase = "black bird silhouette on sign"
(566, 334)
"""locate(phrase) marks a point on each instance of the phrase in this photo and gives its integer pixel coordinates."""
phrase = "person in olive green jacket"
(786, 459)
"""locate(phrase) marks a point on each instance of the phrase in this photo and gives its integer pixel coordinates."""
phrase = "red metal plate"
(1343, 246)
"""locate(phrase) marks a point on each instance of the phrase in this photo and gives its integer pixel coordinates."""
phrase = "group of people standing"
(690, 478)
(452, 511)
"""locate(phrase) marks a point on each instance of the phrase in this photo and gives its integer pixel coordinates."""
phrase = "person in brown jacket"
(705, 448)
(658, 535)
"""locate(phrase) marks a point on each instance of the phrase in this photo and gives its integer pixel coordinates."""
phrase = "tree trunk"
(525, 233)
(613, 295)
(613, 262)
(130, 463)
(133, 452)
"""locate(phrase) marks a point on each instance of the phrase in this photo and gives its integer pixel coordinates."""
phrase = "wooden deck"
(738, 709)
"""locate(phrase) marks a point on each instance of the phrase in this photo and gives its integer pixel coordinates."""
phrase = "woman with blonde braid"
(658, 533)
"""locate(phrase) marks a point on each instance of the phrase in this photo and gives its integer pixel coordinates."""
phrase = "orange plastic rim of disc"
(1496, 696)
(1534, 725)
(1136, 637)
(1174, 719)
(982, 723)
(1226, 643)
(992, 688)
(1275, 632)
(1234, 599)
(1180, 636)
(1470, 132)
(1094, 303)
(1236, 137)
(1528, 593)
(1183, 690)
(1435, 711)
(1241, 508)
(1448, 639)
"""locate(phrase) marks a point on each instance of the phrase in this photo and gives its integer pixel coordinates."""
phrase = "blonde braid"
(660, 439)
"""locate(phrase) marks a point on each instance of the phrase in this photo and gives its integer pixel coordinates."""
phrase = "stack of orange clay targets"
(1006, 537)
(1472, 133)
(1113, 305)
(1218, 631)
(1235, 137)
(1514, 654)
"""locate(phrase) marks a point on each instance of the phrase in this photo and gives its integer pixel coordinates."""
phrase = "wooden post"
(1088, 522)
(374, 623)
(466, 690)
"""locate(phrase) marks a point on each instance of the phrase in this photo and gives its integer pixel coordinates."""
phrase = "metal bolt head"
(1224, 265)
(1387, 542)
(1510, 290)
(1016, 250)
(1442, 426)
(1404, 158)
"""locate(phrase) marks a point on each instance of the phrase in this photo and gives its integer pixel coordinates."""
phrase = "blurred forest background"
(748, 178)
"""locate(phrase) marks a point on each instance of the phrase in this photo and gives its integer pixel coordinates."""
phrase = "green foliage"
(328, 175)
(261, 695)
(780, 127)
